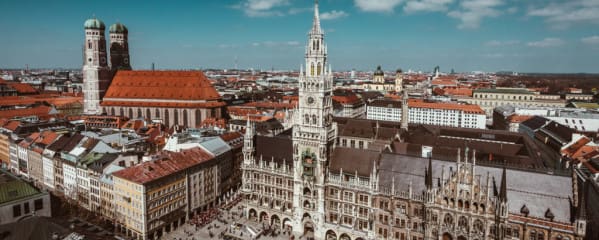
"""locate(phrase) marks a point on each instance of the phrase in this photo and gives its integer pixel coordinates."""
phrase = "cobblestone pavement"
(222, 229)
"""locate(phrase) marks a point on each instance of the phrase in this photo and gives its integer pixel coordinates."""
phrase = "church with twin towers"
(183, 98)
(97, 73)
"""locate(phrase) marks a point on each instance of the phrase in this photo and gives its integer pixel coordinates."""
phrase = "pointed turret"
(248, 142)
(503, 187)
(316, 24)
(429, 174)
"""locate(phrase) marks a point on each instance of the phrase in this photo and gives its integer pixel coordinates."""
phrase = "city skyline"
(469, 35)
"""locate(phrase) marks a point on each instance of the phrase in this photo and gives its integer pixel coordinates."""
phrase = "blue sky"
(466, 35)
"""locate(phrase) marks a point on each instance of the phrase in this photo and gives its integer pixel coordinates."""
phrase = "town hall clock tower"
(313, 135)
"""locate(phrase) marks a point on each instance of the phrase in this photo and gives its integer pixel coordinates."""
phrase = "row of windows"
(17, 211)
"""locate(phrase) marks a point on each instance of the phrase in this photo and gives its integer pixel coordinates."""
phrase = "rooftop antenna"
(235, 62)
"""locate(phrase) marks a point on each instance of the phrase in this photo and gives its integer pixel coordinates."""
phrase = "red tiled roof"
(40, 111)
(32, 99)
(230, 136)
(12, 125)
(29, 140)
(346, 99)
(172, 163)
(444, 82)
(46, 137)
(171, 85)
(457, 91)
(518, 118)
(576, 146)
(242, 111)
(3, 121)
(164, 104)
(584, 150)
(22, 88)
(221, 122)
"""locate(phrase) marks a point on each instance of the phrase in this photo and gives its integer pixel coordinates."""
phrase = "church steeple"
(316, 24)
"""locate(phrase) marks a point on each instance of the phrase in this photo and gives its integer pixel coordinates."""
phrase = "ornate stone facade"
(304, 181)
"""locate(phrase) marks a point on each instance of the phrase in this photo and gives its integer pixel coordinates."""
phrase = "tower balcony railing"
(347, 229)
(356, 183)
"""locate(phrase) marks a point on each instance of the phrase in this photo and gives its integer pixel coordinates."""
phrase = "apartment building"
(488, 99)
(430, 113)
(156, 197)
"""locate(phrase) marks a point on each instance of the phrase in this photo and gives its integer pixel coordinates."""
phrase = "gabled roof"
(352, 160)
(172, 163)
(278, 148)
(40, 111)
(163, 85)
(13, 188)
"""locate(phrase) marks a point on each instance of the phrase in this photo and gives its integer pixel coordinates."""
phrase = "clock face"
(310, 100)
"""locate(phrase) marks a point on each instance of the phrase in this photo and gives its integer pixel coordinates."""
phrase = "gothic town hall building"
(352, 179)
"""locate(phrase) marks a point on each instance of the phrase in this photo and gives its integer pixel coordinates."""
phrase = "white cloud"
(333, 15)
(493, 55)
(497, 43)
(427, 5)
(276, 44)
(262, 8)
(590, 40)
(512, 10)
(547, 42)
(567, 13)
(377, 5)
(227, 46)
(472, 12)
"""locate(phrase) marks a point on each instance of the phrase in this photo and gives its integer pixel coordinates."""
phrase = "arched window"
(448, 220)
(176, 116)
(313, 119)
(157, 113)
(130, 112)
(478, 226)
(185, 122)
(121, 112)
(306, 119)
(167, 118)
(139, 113)
(198, 117)
(112, 111)
(148, 113)
(463, 223)
(89, 44)
(319, 69)
(312, 69)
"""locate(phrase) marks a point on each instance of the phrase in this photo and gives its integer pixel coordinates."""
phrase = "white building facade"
(439, 114)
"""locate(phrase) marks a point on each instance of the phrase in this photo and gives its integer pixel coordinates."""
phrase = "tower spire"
(316, 24)
(429, 173)
(503, 187)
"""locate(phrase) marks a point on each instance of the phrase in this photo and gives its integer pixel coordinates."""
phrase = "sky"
(465, 35)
